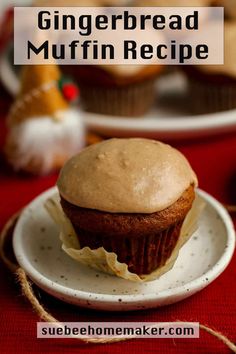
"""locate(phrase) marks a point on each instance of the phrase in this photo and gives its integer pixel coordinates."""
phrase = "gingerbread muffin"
(117, 90)
(212, 88)
(126, 90)
(129, 196)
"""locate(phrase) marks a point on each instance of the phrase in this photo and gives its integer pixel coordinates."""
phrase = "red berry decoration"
(70, 91)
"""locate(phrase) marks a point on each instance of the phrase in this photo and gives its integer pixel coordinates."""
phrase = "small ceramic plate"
(201, 260)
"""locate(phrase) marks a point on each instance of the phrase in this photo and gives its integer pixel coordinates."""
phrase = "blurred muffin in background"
(122, 90)
(170, 69)
(119, 90)
(212, 88)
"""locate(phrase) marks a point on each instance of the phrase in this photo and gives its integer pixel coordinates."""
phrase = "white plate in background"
(168, 120)
(201, 260)
(159, 125)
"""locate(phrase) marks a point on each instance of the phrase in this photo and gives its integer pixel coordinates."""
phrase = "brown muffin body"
(143, 241)
(134, 224)
(129, 196)
(212, 88)
(105, 92)
(99, 76)
(210, 93)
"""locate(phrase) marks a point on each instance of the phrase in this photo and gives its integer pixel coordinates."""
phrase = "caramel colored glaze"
(126, 176)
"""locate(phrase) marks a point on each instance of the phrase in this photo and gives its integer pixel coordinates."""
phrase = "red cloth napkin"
(213, 159)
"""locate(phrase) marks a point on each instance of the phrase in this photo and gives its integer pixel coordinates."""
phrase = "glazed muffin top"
(126, 176)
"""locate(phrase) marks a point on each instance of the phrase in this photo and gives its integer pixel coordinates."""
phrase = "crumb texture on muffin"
(133, 224)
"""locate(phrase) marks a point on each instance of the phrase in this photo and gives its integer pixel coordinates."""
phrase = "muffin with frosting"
(129, 196)
(212, 88)
(118, 90)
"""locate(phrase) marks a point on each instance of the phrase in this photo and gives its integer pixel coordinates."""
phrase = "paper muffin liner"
(208, 98)
(129, 100)
(141, 254)
(107, 262)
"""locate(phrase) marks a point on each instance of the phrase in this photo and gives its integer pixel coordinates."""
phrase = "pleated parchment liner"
(107, 262)
(7, 257)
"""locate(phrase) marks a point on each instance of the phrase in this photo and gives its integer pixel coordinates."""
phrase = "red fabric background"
(214, 162)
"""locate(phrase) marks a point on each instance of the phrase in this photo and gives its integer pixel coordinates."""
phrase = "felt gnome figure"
(44, 129)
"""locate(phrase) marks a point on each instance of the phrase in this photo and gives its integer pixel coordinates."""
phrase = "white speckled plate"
(202, 259)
